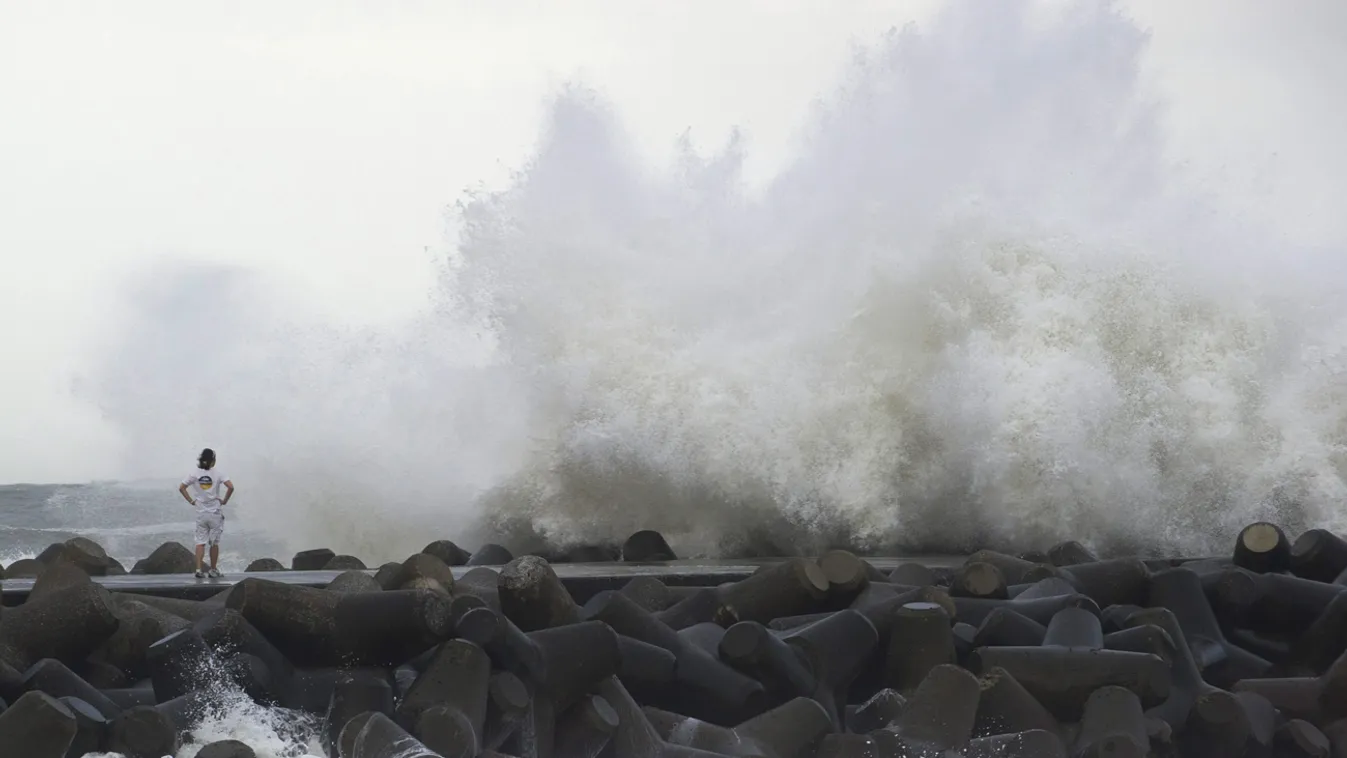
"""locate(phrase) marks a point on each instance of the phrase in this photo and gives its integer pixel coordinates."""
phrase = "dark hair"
(206, 459)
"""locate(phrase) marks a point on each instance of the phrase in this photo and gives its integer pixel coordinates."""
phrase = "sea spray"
(270, 732)
(976, 306)
(226, 711)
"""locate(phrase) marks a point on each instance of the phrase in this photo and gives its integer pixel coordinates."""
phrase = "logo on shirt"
(204, 482)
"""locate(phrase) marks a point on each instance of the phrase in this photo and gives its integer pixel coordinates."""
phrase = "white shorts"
(209, 527)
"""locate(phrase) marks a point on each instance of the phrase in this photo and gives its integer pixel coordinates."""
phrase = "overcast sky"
(320, 142)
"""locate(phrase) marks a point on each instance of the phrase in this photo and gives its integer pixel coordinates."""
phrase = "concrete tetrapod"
(938, 716)
(1062, 677)
(448, 552)
(226, 630)
(1319, 700)
(1319, 555)
(143, 732)
(67, 624)
(635, 737)
(1006, 627)
(473, 621)
(170, 558)
(704, 687)
(374, 735)
(139, 625)
(848, 575)
(791, 587)
(259, 565)
(37, 725)
(490, 554)
(1276, 603)
(1031, 744)
(507, 704)
(651, 594)
(180, 663)
(884, 708)
(1112, 725)
(1186, 683)
(920, 639)
(971, 610)
(585, 730)
(314, 627)
(700, 605)
(1301, 739)
(533, 597)
(424, 571)
(644, 668)
(836, 649)
(979, 579)
(129, 697)
(1315, 650)
(1243, 723)
(1006, 707)
(311, 560)
(91, 727)
(647, 545)
(1180, 591)
(189, 610)
(1262, 547)
(1069, 553)
(564, 662)
(755, 651)
(704, 635)
(1013, 569)
(847, 745)
(353, 581)
(913, 574)
(534, 735)
(788, 731)
(226, 749)
(310, 690)
(54, 678)
(446, 730)
(1116, 581)
(354, 694)
(456, 680)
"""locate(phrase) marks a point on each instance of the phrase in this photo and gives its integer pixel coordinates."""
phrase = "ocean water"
(982, 305)
(129, 519)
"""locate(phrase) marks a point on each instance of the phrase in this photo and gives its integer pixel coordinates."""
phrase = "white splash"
(270, 732)
(978, 308)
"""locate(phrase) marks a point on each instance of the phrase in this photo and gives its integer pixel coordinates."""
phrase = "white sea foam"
(270, 732)
(978, 307)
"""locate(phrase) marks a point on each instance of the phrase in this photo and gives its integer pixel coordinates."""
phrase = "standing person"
(202, 489)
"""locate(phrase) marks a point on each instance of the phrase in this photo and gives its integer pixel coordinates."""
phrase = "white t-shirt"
(206, 488)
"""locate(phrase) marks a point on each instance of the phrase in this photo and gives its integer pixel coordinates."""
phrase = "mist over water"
(978, 306)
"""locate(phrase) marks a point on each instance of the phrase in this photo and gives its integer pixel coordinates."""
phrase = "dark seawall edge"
(581, 579)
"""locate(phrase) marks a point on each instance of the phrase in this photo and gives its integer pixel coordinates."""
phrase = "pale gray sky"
(320, 142)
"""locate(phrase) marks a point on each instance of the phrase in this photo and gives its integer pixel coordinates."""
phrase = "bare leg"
(200, 553)
(214, 555)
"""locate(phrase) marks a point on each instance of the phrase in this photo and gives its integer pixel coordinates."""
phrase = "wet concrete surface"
(581, 579)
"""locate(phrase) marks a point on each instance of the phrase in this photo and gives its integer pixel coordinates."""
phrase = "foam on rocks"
(1058, 654)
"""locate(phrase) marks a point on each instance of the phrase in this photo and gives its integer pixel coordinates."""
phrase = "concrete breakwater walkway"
(581, 579)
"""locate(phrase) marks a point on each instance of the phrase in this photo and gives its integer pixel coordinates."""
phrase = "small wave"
(94, 533)
(270, 732)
